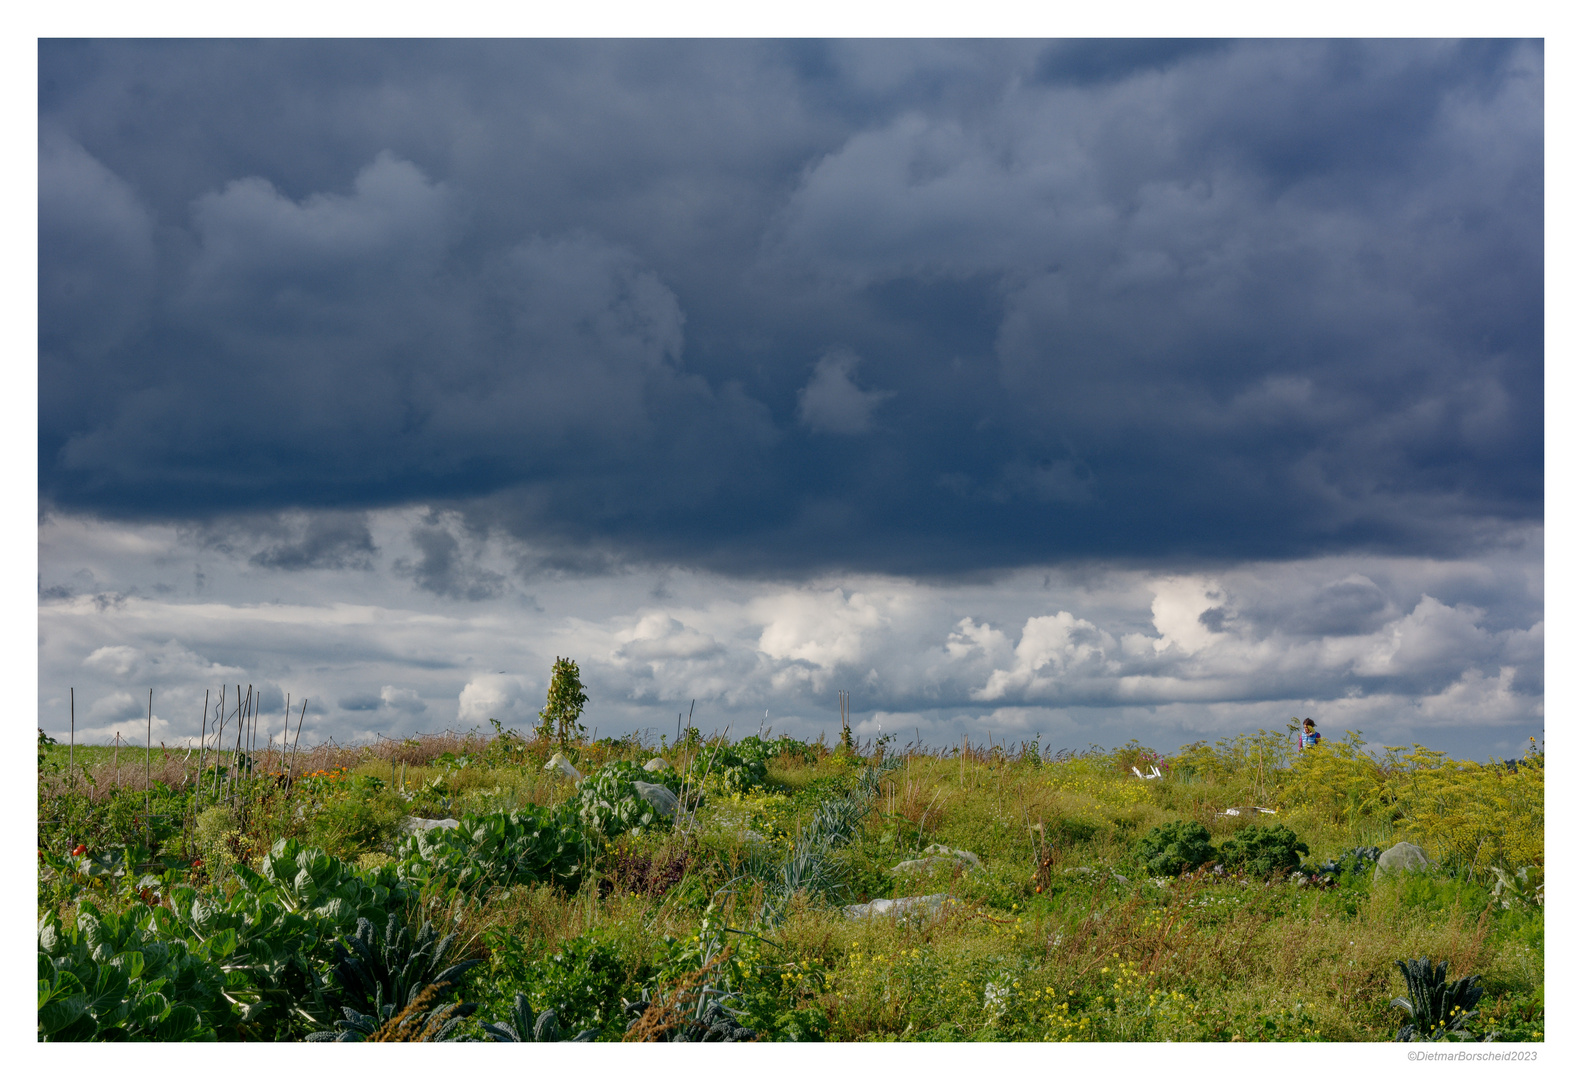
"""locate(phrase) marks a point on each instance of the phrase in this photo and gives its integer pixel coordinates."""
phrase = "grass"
(1058, 935)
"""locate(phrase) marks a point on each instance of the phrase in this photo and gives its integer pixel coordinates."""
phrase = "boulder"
(955, 853)
(420, 824)
(1402, 856)
(656, 764)
(936, 855)
(922, 905)
(658, 796)
(559, 762)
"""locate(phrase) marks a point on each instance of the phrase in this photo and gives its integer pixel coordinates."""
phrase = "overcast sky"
(1097, 390)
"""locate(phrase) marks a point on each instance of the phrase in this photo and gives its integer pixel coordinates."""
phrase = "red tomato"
(80, 849)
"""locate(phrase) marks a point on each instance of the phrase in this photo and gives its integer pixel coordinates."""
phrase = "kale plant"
(1263, 850)
(1175, 846)
(375, 976)
(522, 1026)
(1435, 1010)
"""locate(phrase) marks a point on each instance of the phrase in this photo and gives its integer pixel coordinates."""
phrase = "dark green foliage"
(522, 1026)
(1263, 850)
(583, 980)
(521, 846)
(708, 1019)
(438, 1024)
(376, 975)
(123, 977)
(1435, 1010)
(1168, 849)
(1356, 861)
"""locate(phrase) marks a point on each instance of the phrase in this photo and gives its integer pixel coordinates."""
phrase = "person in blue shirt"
(1309, 737)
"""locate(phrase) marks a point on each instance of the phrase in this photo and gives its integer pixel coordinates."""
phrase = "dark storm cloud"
(443, 568)
(921, 307)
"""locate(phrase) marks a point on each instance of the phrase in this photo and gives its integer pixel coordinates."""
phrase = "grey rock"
(658, 796)
(1403, 856)
(420, 824)
(955, 853)
(922, 905)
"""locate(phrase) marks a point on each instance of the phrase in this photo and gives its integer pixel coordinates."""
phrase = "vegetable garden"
(256, 897)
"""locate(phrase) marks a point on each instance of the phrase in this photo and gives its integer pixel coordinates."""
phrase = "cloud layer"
(1447, 652)
(920, 307)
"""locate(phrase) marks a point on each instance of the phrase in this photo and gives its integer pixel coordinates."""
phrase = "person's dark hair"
(1308, 722)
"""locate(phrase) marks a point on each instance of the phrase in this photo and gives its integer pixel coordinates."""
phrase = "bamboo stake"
(71, 753)
(118, 759)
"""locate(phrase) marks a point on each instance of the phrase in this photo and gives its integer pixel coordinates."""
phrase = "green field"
(205, 912)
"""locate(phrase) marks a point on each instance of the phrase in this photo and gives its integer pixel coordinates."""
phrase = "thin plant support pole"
(148, 758)
(71, 752)
(247, 741)
(285, 730)
(118, 760)
(236, 755)
(203, 731)
(219, 733)
(292, 770)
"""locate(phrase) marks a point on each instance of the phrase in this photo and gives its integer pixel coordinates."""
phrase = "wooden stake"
(148, 758)
(292, 771)
(219, 733)
(71, 753)
(203, 731)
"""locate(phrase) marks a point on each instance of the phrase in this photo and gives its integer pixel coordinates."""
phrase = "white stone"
(955, 853)
(559, 762)
(927, 905)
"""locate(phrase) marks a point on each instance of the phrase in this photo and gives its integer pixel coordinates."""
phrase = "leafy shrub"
(754, 748)
(355, 817)
(1168, 849)
(121, 977)
(738, 768)
(521, 846)
(558, 719)
(583, 981)
(1263, 850)
(220, 842)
